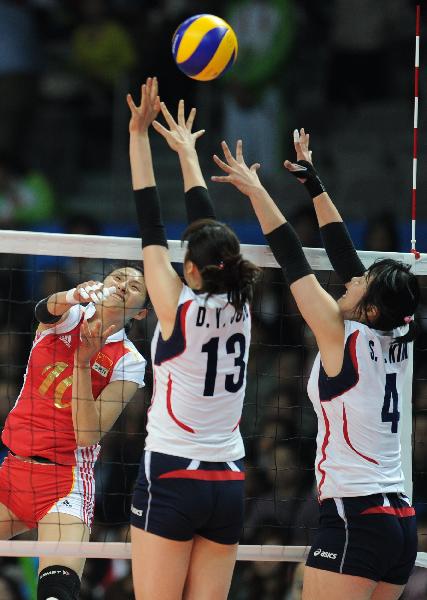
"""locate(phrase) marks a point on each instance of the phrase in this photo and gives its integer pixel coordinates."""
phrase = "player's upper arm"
(163, 284)
(322, 314)
(112, 401)
(66, 322)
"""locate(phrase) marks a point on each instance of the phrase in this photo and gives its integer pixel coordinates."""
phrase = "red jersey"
(40, 423)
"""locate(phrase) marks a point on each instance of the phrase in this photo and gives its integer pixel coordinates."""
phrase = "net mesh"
(278, 423)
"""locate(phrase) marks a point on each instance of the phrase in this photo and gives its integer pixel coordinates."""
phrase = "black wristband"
(287, 250)
(43, 315)
(341, 251)
(199, 204)
(312, 181)
(149, 216)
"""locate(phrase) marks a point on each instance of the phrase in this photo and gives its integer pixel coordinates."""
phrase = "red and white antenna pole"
(415, 151)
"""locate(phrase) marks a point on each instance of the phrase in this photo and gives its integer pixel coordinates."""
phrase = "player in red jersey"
(81, 373)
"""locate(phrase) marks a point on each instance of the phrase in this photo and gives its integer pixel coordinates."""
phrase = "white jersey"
(199, 380)
(358, 438)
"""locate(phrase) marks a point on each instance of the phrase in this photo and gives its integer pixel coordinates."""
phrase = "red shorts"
(32, 490)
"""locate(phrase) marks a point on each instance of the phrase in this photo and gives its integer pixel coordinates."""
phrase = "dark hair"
(215, 250)
(395, 292)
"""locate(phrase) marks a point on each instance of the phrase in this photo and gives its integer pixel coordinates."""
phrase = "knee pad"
(58, 583)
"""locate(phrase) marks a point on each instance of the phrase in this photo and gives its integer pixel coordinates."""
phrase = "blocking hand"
(143, 115)
(179, 136)
(244, 178)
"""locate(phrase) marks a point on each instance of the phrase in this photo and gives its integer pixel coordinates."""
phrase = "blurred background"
(344, 70)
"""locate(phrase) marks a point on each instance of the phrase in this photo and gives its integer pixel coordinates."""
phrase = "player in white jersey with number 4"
(366, 544)
(187, 510)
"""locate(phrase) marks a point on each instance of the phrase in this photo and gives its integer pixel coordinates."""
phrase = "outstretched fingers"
(222, 165)
(131, 104)
(154, 90)
(239, 152)
(301, 139)
(198, 134)
(221, 178)
(168, 117)
(190, 120)
(227, 153)
(181, 113)
(161, 129)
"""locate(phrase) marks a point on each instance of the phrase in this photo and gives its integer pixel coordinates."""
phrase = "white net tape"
(122, 550)
(119, 248)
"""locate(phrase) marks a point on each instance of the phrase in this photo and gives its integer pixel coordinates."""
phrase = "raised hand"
(301, 144)
(244, 178)
(143, 115)
(89, 291)
(92, 339)
(179, 136)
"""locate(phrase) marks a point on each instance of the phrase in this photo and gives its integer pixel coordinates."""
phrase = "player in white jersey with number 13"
(187, 510)
(366, 544)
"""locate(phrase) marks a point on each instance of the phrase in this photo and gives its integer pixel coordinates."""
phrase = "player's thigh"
(387, 591)
(159, 566)
(210, 571)
(10, 525)
(327, 585)
(64, 528)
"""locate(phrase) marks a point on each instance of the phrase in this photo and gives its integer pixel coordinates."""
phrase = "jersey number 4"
(390, 395)
(236, 344)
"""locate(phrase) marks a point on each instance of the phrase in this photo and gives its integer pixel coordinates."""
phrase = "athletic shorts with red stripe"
(177, 498)
(31, 490)
(368, 536)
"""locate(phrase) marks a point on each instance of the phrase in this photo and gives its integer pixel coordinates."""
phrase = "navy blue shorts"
(177, 498)
(369, 536)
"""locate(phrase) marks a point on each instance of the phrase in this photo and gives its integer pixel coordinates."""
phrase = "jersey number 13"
(236, 345)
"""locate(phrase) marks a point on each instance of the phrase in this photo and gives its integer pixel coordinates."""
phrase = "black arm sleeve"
(313, 183)
(43, 315)
(149, 216)
(199, 204)
(287, 250)
(341, 251)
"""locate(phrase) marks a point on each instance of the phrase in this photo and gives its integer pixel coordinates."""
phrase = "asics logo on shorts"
(136, 511)
(325, 554)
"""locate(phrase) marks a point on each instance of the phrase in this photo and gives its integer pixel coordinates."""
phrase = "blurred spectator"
(20, 66)
(263, 580)
(9, 389)
(153, 33)
(121, 589)
(101, 47)
(295, 592)
(304, 222)
(103, 52)
(251, 104)
(9, 589)
(81, 268)
(416, 588)
(26, 197)
(13, 351)
(381, 233)
(359, 67)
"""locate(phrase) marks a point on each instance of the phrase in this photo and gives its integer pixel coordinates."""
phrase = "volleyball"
(204, 47)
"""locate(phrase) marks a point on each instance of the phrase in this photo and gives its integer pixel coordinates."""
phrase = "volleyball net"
(278, 423)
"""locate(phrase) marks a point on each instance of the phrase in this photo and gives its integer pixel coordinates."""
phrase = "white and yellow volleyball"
(204, 47)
